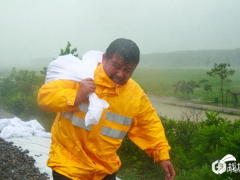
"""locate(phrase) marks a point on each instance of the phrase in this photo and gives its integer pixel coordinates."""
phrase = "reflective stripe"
(113, 133)
(80, 123)
(83, 107)
(118, 118)
(76, 121)
(68, 115)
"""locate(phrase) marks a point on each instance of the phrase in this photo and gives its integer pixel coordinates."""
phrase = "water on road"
(173, 108)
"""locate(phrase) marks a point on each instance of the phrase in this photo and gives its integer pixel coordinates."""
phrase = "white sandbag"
(15, 131)
(3, 123)
(71, 68)
(15, 127)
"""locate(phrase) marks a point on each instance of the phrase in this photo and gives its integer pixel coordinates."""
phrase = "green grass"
(160, 82)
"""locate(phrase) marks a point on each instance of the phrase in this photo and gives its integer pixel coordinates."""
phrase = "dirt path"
(5, 114)
(175, 101)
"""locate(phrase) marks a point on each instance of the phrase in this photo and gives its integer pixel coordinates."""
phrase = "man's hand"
(168, 169)
(87, 87)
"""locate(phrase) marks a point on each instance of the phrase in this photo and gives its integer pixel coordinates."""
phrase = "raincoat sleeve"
(58, 96)
(147, 131)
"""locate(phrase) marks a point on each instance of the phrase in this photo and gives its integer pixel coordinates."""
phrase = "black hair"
(125, 48)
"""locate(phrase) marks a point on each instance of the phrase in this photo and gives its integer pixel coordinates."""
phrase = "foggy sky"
(40, 28)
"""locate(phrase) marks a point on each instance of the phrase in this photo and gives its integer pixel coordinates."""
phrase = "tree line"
(221, 73)
(197, 58)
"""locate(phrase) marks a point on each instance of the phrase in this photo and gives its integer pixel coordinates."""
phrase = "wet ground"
(179, 110)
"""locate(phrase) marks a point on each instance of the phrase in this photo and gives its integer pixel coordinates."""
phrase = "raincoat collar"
(101, 79)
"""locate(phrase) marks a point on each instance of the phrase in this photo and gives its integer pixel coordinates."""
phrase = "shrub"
(194, 147)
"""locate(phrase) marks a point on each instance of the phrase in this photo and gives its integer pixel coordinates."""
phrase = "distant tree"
(186, 87)
(16, 91)
(207, 88)
(44, 71)
(235, 98)
(227, 93)
(8, 85)
(202, 81)
(220, 71)
(228, 81)
(26, 82)
(68, 50)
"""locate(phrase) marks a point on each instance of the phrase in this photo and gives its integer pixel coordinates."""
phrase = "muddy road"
(174, 108)
(5, 114)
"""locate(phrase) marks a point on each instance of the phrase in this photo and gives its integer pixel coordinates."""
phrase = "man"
(89, 152)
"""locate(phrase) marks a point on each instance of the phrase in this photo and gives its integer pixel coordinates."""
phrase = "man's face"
(117, 70)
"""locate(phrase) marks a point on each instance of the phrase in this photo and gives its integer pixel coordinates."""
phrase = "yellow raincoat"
(81, 152)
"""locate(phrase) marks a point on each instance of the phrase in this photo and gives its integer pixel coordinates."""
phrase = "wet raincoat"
(89, 152)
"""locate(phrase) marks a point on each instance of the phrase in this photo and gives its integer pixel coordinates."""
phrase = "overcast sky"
(40, 28)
